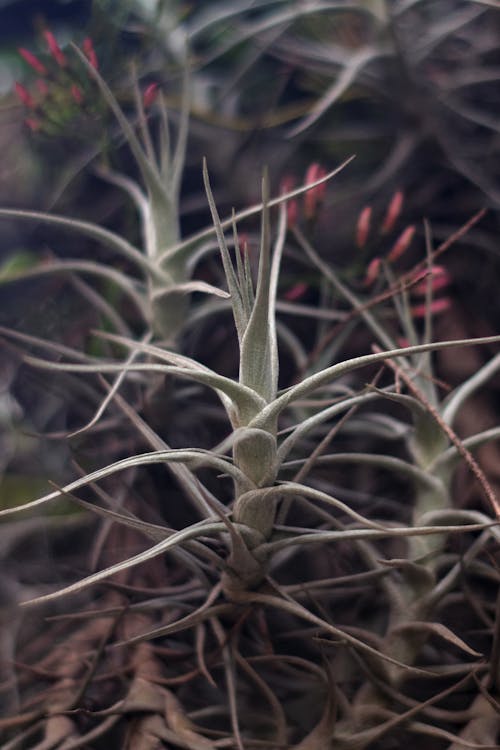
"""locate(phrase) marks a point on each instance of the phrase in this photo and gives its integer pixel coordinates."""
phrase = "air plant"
(262, 583)
(239, 577)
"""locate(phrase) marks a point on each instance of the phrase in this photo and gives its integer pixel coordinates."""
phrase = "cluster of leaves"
(273, 574)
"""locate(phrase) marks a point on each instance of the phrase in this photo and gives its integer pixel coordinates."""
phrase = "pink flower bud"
(314, 197)
(32, 61)
(372, 272)
(243, 243)
(150, 95)
(402, 244)
(296, 291)
(440, 280)
(33, 124)
(363, 226)
(76, 93)
(437, 307)
(54, 48)
(393, 211)
(42, 87)
(89, 51)
(292, 207)
(24, 96)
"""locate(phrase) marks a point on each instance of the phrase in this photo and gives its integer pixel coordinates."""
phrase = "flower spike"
(363, 227)
(372, 272)
(150, 95)
(76, 93)
(54, 48)
(314, 197)
(402, 244)
(25, 96)
(292, 209)
(393, 211)
(32, 61)
(90, 52)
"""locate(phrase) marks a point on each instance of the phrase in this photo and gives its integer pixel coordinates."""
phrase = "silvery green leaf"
(129, 186)
(315, 381)
(255, 454)
(315, 420)
(175, 177)
(326, 537)
(203, 528)
(132, 288)
(450, 458)
(427, 439)
(195, 457)
(244, 274)
(343, 636)
(243, 402)
(269, 495)
(151, 530)
(258, 348)
(203, 500)
(148, 169)
(436, 628)
(455, 400)
(185, 623)
(394, 464)
(108, 239)
(188, 287)
(354, 63)
(237, 301)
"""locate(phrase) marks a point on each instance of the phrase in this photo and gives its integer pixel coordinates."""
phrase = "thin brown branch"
(449, 432)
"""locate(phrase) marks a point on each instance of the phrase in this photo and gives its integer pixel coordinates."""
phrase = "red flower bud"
(314, 197)
(90, 53)
(243, 243)
(150, 95)
(363, 226)
(42, 87)
(402, 243)
(54, 48)
(440, 280)
(437, 306)
(76, 93)
(32, 61)
(33, 124)
(372, 272)
(393, 211)
(292, 207)
(296, 291)
(25, 96)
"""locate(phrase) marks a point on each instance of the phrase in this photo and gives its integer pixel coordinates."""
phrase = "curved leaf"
(315, 381)
(196, 456)
(87, 228)
(200, 529)
(246, 401)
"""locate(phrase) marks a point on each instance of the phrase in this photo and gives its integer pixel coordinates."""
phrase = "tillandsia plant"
(164, 264)
(202, 678)
(304, 567)
(160, 294)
